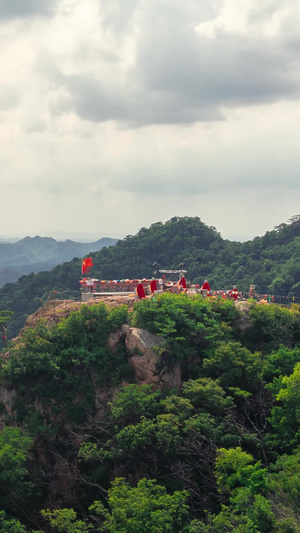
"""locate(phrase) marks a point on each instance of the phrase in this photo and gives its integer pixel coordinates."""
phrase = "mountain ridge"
(34, 254)
(270, 262)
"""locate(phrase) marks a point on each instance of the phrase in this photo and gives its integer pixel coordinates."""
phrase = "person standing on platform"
(140, 291)
(206, 286)
(205, 289)
(234, 293)
(153, 286)
(182, 282)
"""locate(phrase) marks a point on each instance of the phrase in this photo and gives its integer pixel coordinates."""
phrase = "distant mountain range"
(36, 254)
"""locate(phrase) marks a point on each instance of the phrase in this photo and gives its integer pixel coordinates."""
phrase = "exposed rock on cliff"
(146, 351)
(244, 322)
(53, 311)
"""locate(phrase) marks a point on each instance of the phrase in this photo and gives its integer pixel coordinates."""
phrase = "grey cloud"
(189, 85)
(8, 98)
(190, 172)
(184, 175)
(121, 16)
(23, 8)
(225, 70)
(180, 76)
(136, 107)
(263, 11)
(191, 180)
(116, 15)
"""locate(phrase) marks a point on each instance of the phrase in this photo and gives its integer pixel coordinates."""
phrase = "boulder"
(146, 350)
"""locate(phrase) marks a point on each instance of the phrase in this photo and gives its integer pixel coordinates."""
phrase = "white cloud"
(133, 112)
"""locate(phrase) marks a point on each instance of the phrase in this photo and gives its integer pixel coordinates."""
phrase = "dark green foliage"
(280, 363)
(146, 508)
(272, 326)
(285, 417)
(284, 483)
(235, 366)
(133, 401)
(244, 485)
(55, 364)
(5, 317)
(224, 447)
(191, 326)
(15, 487)
(207, 394)
(10, 525)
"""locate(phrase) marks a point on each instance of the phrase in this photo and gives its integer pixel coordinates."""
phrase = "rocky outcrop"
(146, 351)
(115, 338)
(54, 311)
(144, 348)
(146, 355)
(244, 323)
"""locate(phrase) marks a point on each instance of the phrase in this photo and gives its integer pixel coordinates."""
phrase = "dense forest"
(87, 447)
(270, 262)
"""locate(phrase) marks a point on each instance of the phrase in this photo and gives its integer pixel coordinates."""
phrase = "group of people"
(233, 294)
(146, 287)
(162, 285)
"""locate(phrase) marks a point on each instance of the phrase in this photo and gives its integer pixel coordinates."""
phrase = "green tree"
(132, 402)
(207, 394)
(146, 508)
(284, 486)
(15, 488)
(191, 326)
(234, 366)
(5, 317)
(10, 525)
(65, 521)
(244, 484)
(285, 416)
(272, 326)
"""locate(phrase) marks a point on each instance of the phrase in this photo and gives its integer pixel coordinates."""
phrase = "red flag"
(86, 264)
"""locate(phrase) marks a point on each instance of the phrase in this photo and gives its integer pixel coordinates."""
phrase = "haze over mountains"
(35, 254)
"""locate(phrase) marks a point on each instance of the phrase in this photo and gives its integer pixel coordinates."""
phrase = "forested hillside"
(270, 262)
(208, 443)
(36, 254)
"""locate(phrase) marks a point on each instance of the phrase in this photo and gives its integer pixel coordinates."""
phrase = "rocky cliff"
(145, 350)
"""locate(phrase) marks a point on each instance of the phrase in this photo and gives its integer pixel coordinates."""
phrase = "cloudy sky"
(115, 114)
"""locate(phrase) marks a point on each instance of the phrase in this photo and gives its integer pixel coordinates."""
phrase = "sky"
(116, 114)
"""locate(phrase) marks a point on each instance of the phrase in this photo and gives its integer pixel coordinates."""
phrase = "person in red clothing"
(205, 289)
(140, 291)
(153, 286)
(206, 286)
(182, 282)
(234, 293)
